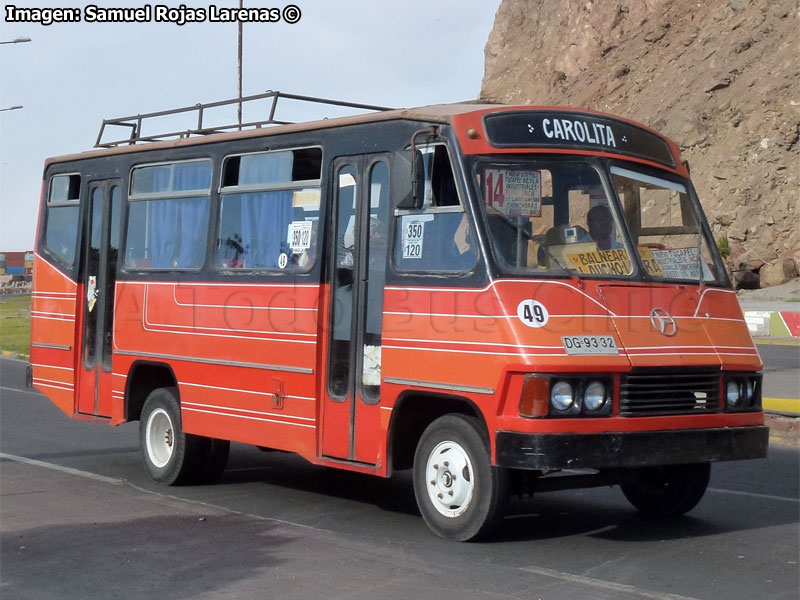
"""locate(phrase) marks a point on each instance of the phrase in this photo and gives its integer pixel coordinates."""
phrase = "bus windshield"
(561, 217)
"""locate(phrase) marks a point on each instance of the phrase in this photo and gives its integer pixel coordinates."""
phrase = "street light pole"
(19, 40)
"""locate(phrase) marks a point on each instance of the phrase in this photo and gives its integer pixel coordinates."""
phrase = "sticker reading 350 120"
(590, 344)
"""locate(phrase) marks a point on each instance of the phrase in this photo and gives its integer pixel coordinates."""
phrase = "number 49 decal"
(532, 313)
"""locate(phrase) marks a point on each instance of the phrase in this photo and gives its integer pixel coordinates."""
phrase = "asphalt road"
(781, 358)
(79, 519)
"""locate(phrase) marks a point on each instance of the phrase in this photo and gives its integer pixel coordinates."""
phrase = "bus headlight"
(562, 396)
(594, 398)
(558, 395)
(743, 391)
(733, 397)
(750, 389)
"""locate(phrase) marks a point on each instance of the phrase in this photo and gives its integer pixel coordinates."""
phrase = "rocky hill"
(720, 77)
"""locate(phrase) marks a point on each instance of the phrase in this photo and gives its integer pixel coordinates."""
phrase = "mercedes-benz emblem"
(663, 322)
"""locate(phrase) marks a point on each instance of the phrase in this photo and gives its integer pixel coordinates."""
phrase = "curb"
(773, 323)
(788, 407)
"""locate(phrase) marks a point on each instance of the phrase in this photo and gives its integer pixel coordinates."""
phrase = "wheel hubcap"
(450, 481)
(160, 438)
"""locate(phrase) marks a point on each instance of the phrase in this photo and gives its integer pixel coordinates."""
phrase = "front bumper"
(629, 449)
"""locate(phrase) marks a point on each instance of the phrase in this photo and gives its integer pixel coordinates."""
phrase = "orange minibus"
(500, 298)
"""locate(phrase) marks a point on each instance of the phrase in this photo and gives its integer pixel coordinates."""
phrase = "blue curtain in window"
(194, 230)
(273, 167)
(265, 227)
(191, 176)
(164, 219)
(265, 215)
(178, 226)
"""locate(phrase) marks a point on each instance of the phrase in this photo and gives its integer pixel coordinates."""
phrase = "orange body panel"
(244, 355)
(54, 306)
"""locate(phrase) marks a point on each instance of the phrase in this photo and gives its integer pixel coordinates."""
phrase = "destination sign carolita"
(562, 129)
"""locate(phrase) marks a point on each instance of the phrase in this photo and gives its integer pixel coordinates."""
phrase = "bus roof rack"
(135, 122)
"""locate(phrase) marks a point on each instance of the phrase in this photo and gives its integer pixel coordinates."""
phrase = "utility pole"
(239, 112)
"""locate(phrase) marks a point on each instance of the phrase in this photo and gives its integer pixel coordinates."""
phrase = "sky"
(73, 75)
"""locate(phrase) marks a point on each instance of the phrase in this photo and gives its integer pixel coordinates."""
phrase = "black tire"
(460, 494)
(668, 491)
(171, 456)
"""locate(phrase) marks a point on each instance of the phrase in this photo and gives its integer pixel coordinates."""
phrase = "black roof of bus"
(437, 113)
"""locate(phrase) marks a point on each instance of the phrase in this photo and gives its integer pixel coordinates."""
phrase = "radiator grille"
(676, 391)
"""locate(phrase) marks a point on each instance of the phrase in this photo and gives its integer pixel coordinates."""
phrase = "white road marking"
(32, 392)
(754, 495)
(603, 584)
(54, 467)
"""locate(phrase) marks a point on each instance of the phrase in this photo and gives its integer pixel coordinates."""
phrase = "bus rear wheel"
(171, 456)
(460, 494)
(668, 491)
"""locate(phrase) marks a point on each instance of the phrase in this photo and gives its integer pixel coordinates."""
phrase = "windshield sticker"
(681, 263)
(601, 262)
(413, 236)
(300, 236)
(283, 260)
(533, 313)
(651, 263)
(514, 192)
(615, 262)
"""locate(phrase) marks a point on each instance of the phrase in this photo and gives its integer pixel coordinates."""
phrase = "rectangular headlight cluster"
(742, 392)
(566, 396)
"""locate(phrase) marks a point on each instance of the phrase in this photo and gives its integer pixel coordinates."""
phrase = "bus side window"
(61, 225)
(439, 236)
(269, 210)
(168, 217)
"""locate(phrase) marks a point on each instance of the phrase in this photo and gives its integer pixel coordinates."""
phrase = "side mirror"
(413, 201)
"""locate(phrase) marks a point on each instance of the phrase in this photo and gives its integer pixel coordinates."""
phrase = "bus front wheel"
(668, 491)
(460, 494)
(171, 456)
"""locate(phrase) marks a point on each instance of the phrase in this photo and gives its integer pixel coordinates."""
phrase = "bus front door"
(100, 249)
(351, 424)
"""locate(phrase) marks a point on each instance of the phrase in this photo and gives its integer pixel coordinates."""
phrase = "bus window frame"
(294, 184)
(462, 192)
(637, 273)
(299, 184)
(74, 265)
(126, 201)
(697, 212)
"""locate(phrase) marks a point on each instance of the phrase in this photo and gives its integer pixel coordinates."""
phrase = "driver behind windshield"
(601, 227)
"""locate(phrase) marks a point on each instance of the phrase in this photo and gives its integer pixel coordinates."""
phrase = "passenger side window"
(168, 216)
(437, 237)
(269, 213)
(61, 225)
